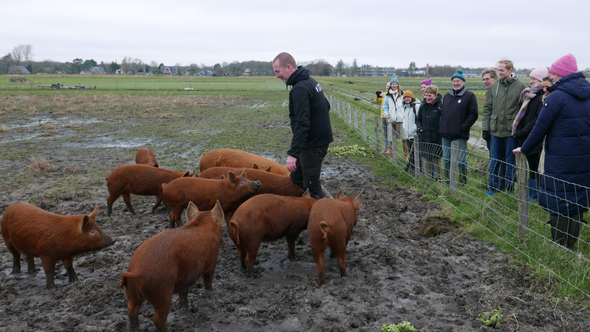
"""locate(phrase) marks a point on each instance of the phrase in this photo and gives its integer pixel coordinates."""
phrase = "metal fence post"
(377, 133)
(356, 120)
(453, 171)
(523, 201)
(417, 160)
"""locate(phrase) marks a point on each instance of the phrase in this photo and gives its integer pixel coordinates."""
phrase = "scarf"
(525, 96)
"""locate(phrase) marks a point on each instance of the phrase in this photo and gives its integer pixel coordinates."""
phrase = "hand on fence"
(515, 151)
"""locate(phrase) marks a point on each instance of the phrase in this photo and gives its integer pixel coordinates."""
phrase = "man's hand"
(486, 135)
(291, 164)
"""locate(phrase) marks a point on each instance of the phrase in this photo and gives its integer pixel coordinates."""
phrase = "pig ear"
(187, 174)
(217, 213)
(268, 169)
(340, 194)
(255, 167)
(83, 223)
(193, 173)
(231, 177)
(358, 200)
(306, 194)
(243, 173)
(191, 211)
(94, 213)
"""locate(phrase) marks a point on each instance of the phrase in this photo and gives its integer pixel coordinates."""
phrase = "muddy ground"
(395, 273)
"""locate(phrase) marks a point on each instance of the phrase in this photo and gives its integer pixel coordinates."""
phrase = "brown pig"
(271, 183)
(146, 156)
(171, 262)
(34, 232)
(265, 218)
(238, 158)
(230, 192)
(330, 225)
(139, 180)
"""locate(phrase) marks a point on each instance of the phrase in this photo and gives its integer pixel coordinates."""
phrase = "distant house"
(226, 73)
(18, 70)
(204, 73)
(168, 70)
(247, 72)
(98, 70)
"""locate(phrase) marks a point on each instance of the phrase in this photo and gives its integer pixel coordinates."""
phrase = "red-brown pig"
(34, 232)
(146, 156)
(171, 262)
(238, 158)
(230, 192)
(330, 225)
(139, 180)
(271, 183)
(265, 218)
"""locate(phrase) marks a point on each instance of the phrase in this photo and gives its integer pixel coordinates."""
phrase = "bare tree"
(22, 53)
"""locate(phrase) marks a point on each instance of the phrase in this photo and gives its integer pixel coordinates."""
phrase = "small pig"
(139, 180)
(330, 225)
(230, 192)
(146, 156)
(265, 218)
(271, 183)
(171, 262)
(238, 158)
(34, 232)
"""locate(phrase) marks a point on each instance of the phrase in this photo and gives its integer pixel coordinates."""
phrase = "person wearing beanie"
(410, 106)
(459, 113)
(393, 111)
(531, 103)
(424, 84)
(499, 110)
(427, 126)
(564, 125)
(380, 96)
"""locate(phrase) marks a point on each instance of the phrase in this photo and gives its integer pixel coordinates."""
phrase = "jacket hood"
(298, 75)
(573, 84)
(509, 80)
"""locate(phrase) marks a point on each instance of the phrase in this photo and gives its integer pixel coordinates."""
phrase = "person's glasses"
(487, 79)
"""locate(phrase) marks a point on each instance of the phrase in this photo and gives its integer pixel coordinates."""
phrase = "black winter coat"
(427, 124)
(459, 113)
(526, 124)
(309, 112)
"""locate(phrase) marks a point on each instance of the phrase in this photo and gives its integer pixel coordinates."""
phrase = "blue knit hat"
(394, 79)
(458, 74)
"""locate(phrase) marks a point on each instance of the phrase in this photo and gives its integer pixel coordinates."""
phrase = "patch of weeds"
(39, 165)
(432, 226)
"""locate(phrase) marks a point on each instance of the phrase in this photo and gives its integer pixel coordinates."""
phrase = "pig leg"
(208, 279)
(110, 200)
(242, 256)
(158, 202)
(69, 265)
(183, 299)
(31, 265)
(15, 258)
(133, 312)
(175, 213)
(318, 257)
(161, 313)
(291, 244)
(341, 257)
(127, 200)
(49, 267)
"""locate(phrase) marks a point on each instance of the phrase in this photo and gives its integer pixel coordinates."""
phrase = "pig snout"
(256, 185)
(108, 241)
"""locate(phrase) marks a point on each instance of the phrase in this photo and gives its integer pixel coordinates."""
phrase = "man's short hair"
(509, 65)
(285, 59)
(431, 89)
(493, 73)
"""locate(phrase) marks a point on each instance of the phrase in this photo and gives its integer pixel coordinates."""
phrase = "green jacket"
(501, 106)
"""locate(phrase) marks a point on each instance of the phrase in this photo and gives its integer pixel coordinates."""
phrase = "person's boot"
(574, 230)
(559, 229)
(463, 177)
(533, 191)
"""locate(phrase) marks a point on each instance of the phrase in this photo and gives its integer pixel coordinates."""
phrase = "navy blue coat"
(564, 121)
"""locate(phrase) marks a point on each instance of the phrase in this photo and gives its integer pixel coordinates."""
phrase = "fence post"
(356, 120)
(453, 171)
(377, 124)
(349, 114)
(363, 119)
(392, 142)
(417, 160)
(523, 200)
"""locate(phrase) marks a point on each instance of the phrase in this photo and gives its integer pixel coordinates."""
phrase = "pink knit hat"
(427, 82)
(565, 65)
(539, 73)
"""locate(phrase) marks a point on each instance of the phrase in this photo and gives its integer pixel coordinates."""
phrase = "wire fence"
(462, 180)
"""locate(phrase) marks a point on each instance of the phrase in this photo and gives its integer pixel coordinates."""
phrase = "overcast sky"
(444, 32)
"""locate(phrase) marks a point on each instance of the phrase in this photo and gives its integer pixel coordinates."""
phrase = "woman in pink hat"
(564, 123)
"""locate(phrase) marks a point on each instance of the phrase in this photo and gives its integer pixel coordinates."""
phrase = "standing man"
(564, 123)
(499, 111)
(488, 77)
(309, 112)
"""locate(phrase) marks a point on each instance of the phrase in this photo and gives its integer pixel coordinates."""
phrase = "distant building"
(18, 70)
(204, 73)
(226, 73)
(247, 72)
(168, 70)
(98, 70)
(368, 71)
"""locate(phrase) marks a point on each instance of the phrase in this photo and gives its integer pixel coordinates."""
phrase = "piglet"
(230, 192)
(146, 156)
(238, 158)
(34, 232)
(265, 218)
(171, 262)
(330, 225)
(139, 180)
